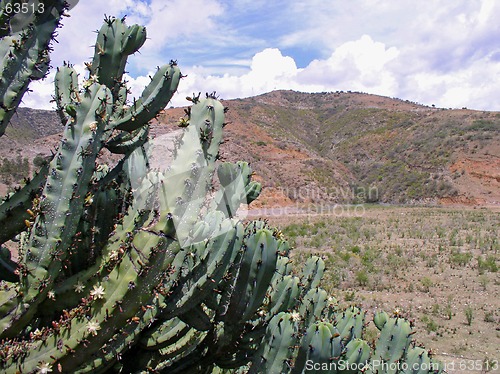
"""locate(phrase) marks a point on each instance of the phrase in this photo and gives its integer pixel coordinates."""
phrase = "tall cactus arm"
(255, 274)
(419, 362)
(318, 347)
(115, 43)
(350, 323)
(190, 174)
(393, 342)
(126, 142)
(313, 304)
(60, 209)
(250, 281)
(236, 187)
(66, 92)
(24, 54)
(356, 356)
(312, 272)
(136, 216)
(284, 296)
(16, 210)
(154, 98)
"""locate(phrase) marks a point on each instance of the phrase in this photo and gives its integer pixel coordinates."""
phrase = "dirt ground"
(437, 266)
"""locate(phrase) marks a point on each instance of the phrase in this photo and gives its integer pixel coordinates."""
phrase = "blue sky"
(440, 52)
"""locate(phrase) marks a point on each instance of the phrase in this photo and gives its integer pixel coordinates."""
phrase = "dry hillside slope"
(360, 147)
(329, 147)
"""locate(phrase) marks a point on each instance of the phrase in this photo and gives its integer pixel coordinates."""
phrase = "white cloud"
(444, 53)
(361, 65)
(268, 70)
(471, 87)
(166, 22)
(171, 19)
(327, 24)
(173, 23)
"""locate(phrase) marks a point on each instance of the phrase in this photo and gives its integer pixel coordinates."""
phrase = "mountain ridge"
(336, 147)
(408, 152)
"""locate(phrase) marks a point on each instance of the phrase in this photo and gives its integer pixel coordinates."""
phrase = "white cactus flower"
(93, 327)
(37, 334)
(93, 126)
(114, 255)
(79, 287)
(97, 292)
(44, 367)
(295, 316)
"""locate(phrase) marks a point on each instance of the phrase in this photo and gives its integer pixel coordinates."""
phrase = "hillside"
(335, 147)
(350, 147)
(31, 133)
(405, 151)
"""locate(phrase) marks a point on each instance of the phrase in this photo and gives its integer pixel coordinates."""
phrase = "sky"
(435, 52)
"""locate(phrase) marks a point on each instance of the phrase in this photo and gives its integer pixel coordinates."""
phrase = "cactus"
(126, 269)
(19, 205)
(275, 356)
(330, 345)
(24, 49)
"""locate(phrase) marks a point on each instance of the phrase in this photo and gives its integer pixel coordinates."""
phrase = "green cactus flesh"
(24, 53)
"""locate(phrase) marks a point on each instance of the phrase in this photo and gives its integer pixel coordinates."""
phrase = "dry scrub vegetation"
(437, 266)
